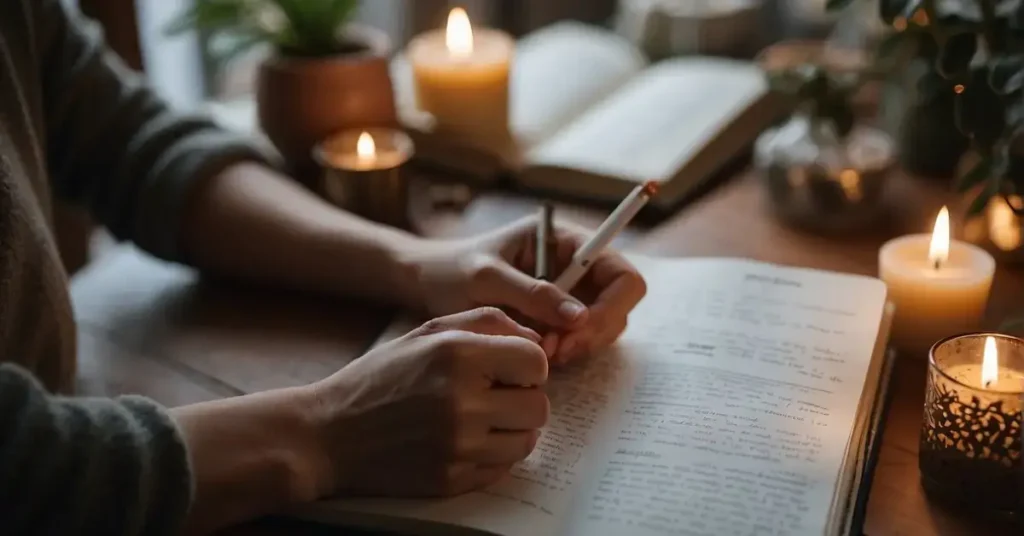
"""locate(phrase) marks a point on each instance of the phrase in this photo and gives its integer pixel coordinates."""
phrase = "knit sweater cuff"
(88, 466)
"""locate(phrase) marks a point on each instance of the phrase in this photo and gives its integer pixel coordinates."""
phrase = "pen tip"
(651, 188)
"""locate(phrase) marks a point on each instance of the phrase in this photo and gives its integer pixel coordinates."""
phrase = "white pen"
(616, 222)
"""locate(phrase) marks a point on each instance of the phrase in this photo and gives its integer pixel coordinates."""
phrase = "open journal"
(590, 119)
(741, 400)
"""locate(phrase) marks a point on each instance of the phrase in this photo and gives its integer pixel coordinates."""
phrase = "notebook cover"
(876, 431)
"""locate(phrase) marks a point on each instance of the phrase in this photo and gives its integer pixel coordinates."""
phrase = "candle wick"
(937, 264)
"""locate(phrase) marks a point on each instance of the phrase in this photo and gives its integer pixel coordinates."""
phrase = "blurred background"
(181, 69)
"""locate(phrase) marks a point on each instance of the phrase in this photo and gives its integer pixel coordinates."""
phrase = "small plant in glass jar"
(822, 168)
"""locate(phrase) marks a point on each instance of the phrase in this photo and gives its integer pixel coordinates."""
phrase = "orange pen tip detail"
(651, 188)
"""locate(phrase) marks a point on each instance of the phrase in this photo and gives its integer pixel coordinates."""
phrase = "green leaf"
(980, 173)
(1006, 74)
(983, 198)
(1012, 325)
(210, 15)
(308, 28)
(931, 85)
(956, 55)
(980, 112)
(224, 51)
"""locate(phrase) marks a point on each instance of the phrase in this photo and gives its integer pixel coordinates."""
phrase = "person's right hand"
(446, 409)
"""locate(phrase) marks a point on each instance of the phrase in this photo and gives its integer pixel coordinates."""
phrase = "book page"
(558, 73)
(534, 499)
(651, 127)
(562, 71)
(748, 382)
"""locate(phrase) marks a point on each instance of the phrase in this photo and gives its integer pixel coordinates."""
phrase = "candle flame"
(938, 252)
(990, 363)
(366, 148)
(459, 36)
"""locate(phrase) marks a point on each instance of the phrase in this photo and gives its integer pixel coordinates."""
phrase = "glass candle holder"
(970, 451)
(363, 173)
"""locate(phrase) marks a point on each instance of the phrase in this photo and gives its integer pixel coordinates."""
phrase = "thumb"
(501, 284)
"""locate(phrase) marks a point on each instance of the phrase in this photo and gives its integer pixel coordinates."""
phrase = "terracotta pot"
(302, 101)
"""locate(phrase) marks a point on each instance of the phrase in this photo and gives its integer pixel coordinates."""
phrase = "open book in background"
(591, 119)
(743, 399)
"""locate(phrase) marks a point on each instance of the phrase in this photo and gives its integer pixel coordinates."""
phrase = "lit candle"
(461, 78)
(363, 173)
(988, 376)
(970, 450)
(939, 287)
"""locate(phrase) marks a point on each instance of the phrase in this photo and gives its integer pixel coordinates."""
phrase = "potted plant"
(822, 168)
(975, 52)
(323, 73)
(978, 63)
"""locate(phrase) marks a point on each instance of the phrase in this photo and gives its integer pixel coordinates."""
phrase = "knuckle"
(527, 445)
(448, 348)
(537, 359)
(485, 270)
(491, 316)
(537, 408)
(435, 325)
(543, 291)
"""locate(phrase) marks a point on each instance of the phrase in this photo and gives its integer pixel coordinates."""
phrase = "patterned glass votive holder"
(363, 173)
(970, 452)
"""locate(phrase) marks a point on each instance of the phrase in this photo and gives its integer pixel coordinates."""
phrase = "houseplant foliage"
(977, 47)
(825, 98)
(324, 73)
(299, 28)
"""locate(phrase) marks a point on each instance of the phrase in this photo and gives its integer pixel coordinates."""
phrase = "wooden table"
(158, 330)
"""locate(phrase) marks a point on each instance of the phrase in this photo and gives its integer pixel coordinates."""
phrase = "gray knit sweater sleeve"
(112, 143)
(87, 466)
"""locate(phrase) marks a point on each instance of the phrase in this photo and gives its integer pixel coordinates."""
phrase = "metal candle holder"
(375, 188)
(970, 451)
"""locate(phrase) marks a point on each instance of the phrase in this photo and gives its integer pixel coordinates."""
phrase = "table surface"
(156, 329)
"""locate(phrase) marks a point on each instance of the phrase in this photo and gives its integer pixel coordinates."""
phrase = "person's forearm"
(250, 222)
(251, 456)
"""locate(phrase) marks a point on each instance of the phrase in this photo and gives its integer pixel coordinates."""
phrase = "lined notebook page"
(535, 498)
(748, 380)
(657, 122)
(726, 409)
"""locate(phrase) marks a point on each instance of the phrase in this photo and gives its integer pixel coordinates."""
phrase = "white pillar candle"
(461, 78)
(940, 287)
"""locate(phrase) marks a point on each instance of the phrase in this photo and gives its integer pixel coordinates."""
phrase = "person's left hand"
(497, 269)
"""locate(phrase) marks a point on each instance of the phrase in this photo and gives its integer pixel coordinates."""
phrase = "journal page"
(748, 380)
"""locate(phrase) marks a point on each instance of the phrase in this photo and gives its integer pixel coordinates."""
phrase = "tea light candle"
(363, 173)
(939, 287)
(461, 76)
(970, 452)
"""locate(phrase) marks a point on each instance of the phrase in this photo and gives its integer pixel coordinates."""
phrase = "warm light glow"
(938, 252)
(459, 36)
(366, 148)
(849, 179)
(990, 363)
(1003, 225)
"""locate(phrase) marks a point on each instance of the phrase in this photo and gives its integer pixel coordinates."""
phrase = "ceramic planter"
(302, 101)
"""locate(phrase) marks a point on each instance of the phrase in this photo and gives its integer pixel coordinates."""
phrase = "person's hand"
(497, 270)
(443, 410)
